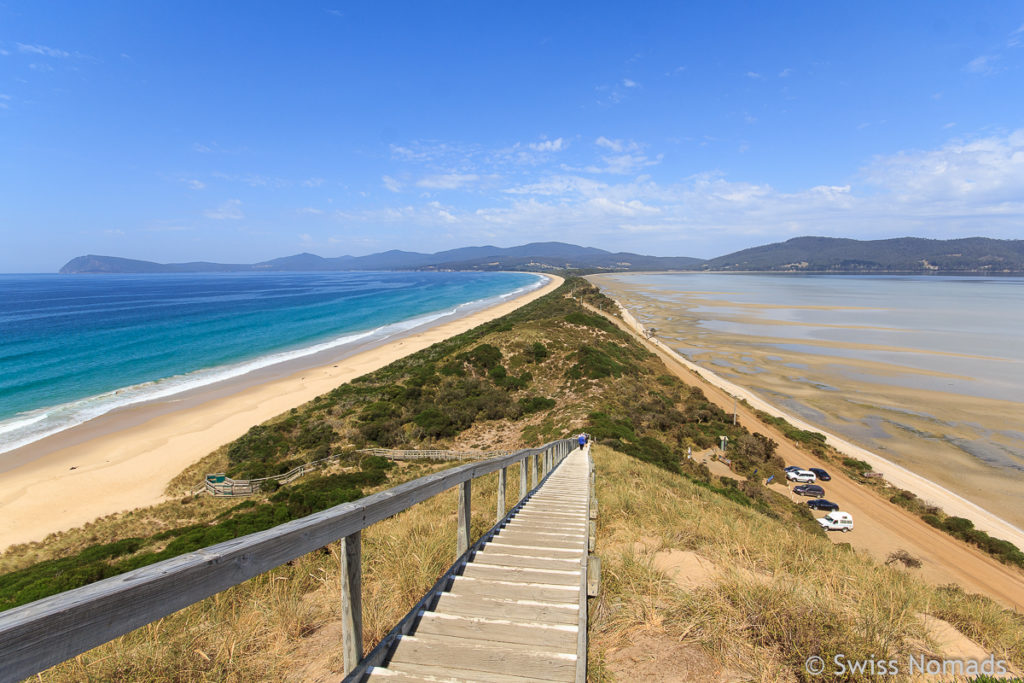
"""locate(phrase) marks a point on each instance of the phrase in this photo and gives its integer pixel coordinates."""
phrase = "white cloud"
(4, 99)
(556, 145)
(753, 74)
(447, 181)
(984, 64)
(310, 211)
(785, 73)
(391, 183)
(629, 83)
(312, 182)
(973, 174)
(113, 232)
(42, 50)
(617, 145)
(194, 184)
(229, 210)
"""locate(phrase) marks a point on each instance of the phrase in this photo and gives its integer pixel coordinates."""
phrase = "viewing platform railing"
(36, 636)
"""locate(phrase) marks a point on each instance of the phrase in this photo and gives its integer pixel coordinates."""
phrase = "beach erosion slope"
(897, 475)
(125, 459)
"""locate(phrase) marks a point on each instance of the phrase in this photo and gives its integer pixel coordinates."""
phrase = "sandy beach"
(124, 460)
(931, 468)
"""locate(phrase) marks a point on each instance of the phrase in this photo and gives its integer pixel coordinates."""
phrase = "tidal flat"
(924, 372)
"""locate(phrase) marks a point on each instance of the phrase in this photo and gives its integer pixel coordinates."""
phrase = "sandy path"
(879, 526)
(118, 469)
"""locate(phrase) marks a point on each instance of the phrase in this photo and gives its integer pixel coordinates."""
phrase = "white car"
(802, 476)
(836, 521)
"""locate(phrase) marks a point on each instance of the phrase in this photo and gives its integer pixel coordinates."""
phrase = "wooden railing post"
(522, 479)
(352, 599)
(533, 471)
(502, 476)
(465, 514)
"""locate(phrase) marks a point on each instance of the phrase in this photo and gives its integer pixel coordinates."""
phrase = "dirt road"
(880, 527)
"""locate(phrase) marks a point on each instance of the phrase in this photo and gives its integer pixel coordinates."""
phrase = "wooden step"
(536, 635)
(443, 673)
(515, 610)
(549, 550)
(484, 657)
(525, 561)
(516, 590)
(507, 573)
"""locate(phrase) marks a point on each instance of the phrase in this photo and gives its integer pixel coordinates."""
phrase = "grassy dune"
(772, 595)
(779, 590)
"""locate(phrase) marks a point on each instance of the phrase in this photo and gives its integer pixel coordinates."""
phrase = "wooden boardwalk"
(516, 611)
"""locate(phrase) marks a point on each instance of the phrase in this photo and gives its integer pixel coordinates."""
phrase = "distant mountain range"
(800, 254)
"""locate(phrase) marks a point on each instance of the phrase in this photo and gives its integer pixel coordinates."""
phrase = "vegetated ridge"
(800, 254)
(542, 256)
(781, 593)
(902, 255)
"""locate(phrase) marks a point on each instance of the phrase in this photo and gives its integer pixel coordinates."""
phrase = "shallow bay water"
(925, 371)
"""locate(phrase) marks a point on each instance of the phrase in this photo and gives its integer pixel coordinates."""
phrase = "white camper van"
(836, 521)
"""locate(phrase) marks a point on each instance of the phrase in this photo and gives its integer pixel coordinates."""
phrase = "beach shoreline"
(924, 488)
(124, 459)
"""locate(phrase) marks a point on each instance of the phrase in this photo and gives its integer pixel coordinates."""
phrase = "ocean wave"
(26, 428)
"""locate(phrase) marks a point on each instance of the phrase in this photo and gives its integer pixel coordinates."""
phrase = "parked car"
(802, 476)
(793, 468)
(812, 490)
(820, 473)
(822, 504)
(837, 521)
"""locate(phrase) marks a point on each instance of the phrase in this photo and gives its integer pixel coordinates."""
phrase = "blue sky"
(239, 132)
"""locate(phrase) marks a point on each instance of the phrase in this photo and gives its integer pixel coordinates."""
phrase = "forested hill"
(537, 256)
(800, 254)
(905, 254)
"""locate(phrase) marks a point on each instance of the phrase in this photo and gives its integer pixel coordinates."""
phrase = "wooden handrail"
(40, 634)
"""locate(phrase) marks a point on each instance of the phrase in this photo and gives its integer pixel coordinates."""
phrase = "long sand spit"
(125, 459)
(899, 476)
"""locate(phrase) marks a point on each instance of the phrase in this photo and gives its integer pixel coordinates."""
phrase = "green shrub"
(595, 321)
(537, 352)
(535, 404)
(593, 363)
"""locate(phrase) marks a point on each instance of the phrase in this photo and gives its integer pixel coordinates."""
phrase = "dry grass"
(285, 621)
(780, 595)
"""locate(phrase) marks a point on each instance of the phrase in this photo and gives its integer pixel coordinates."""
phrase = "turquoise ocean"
(75, 347)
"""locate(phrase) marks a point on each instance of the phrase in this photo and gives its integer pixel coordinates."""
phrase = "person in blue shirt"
(583, 441)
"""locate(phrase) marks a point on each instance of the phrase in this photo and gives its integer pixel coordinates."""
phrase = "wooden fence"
(227, 487)
(38, 635)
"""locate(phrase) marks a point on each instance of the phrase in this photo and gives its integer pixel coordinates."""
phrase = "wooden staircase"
(517, 609)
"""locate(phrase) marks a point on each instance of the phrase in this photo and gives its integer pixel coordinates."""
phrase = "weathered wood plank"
(505, 573)
(550, 550)
(465, 515)
(522, 479)
(539, 637)
(593, 576)
(516, 610)
(515, 590)
(352, 600)
(448, 674)
(527, 561)
(485, 657)
(502, 476)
